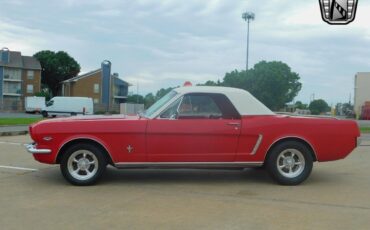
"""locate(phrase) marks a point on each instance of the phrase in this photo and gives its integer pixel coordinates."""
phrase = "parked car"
(193, 127)
(68, 106)
(34, 104)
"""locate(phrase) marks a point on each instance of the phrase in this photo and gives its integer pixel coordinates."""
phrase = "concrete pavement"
(336, 196)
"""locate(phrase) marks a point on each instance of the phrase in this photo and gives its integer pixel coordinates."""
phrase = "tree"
(160, 93)
(300, 105)
(344, 109)
(45, 94)
(56, 67)
(149, 100)
(211, 83)
(318, 106)
(136, 98)
(273, 83)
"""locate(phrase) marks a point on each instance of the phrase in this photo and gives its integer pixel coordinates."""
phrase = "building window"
(29, 88)
(12, 87)
(96, 100)
(96, 88)
(30, 74)
(12, 74)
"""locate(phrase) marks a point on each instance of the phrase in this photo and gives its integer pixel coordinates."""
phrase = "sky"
(157, 44)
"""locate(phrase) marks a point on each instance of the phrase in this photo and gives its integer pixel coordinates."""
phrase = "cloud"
(166, 42)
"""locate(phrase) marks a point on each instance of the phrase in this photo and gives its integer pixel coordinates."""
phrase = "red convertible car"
(193, 127)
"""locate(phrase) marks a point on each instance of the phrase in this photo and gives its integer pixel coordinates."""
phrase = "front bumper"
(32, 149)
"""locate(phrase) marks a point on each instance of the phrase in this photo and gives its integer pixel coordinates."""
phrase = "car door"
(198, 127)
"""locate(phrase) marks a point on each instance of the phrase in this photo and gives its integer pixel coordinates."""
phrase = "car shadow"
(184, 176)
(254, 176)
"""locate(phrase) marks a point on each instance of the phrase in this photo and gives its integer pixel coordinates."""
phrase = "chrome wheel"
(82, 165)
(290, 163)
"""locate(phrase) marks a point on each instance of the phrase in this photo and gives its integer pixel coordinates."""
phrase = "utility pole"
(248, 16)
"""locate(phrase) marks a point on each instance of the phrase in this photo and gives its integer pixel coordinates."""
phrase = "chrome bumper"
(358, 141)
(32, 149)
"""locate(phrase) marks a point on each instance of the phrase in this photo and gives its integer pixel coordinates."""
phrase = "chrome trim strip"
(235, 164)
(31, 148)
(257, 145)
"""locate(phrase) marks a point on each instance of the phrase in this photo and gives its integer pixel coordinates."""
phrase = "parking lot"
(34, 196)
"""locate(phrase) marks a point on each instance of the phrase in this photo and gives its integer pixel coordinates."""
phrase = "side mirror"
(174, 116)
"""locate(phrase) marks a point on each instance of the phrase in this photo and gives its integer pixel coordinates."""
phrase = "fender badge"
(129, 148)
(47, 138)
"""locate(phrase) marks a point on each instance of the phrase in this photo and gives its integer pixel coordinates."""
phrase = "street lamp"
(248, 16)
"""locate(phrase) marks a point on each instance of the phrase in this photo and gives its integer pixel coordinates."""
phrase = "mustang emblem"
(129, 148)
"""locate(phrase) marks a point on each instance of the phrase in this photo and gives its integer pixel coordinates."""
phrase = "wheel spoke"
(290, 170)
(281, 166)
(83, 164)
(298, 163)
(87, 172)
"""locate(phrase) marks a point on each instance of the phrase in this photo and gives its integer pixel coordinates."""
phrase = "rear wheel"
(83, 164)
(289, 163)
(44, 114)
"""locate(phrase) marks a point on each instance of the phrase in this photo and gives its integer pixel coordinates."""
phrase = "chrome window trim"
(168, 106)
(257, 145)
(165, 106)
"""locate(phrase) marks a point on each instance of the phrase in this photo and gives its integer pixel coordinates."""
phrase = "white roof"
(244, 102)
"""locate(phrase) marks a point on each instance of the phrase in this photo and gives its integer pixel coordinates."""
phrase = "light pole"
(248, 16)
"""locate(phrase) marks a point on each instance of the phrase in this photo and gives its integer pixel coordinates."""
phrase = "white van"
(68, 106)
(34, 104)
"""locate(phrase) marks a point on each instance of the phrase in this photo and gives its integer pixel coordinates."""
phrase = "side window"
(49, 103)
(171, 112)
(201, 106)
(198, 106)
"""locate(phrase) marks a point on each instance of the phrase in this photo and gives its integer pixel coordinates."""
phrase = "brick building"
(20, 76)
(105, 88)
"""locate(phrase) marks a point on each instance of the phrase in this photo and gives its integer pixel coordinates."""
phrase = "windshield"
(154, 108)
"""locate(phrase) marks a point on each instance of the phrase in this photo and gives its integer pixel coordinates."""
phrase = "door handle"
(236, 124)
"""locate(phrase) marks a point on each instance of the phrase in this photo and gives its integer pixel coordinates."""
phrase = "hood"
(90, 118)
(87, 125)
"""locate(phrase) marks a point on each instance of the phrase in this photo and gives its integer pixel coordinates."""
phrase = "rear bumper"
(31, 148)
(358, 143)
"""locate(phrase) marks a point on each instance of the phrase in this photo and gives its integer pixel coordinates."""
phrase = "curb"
(15, 133)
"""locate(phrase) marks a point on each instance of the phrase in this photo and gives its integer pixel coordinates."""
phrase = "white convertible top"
(244, 102)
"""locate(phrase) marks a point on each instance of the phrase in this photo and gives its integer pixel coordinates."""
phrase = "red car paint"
(195, 140)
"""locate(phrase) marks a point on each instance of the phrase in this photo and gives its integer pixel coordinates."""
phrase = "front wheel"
(289, 163)
(83, 164)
